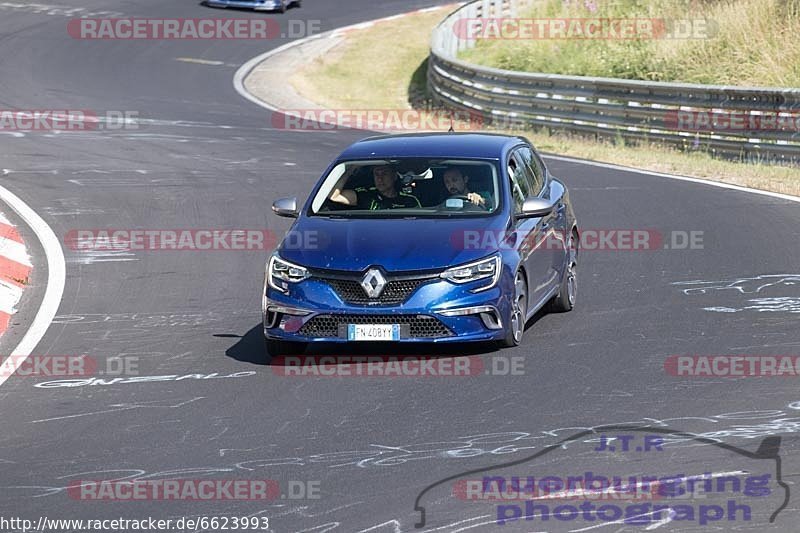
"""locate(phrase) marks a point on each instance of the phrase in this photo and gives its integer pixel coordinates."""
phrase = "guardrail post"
(462, 16)
(473, 14)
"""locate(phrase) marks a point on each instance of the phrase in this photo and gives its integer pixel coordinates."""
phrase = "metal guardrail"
(608, 107)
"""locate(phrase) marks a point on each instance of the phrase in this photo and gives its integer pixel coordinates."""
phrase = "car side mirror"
(536, 207)
(285, 207)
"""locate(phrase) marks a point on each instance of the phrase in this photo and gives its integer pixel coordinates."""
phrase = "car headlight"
(280, 273)
(488, 269)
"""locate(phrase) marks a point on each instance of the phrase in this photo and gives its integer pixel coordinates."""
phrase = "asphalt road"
(206, 158)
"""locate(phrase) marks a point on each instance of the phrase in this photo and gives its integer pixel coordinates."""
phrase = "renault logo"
(373, 283)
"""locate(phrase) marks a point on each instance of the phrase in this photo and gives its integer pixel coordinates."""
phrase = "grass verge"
(718, 42)
(383, 67)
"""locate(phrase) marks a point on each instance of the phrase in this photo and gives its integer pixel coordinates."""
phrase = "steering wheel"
(467, 202)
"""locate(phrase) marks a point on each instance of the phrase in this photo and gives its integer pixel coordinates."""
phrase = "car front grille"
(419, 326)
(395, 292)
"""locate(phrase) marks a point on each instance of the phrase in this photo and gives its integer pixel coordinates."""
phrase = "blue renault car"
(450, 237)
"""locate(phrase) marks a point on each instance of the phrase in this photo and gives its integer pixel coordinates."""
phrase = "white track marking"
(14, 251)
(56, 278)
(10, 295)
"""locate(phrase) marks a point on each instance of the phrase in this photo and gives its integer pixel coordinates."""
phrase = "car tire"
(519, 310)
(282, 9)
(564, 300)
(278, 348)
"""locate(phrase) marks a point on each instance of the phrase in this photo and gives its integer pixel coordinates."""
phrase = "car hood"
(394, 244)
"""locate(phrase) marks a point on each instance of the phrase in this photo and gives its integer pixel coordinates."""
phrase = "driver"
(384, 195)
(457, 184)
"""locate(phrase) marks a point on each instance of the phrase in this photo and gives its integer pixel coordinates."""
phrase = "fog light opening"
(491, 320)
(271, 319)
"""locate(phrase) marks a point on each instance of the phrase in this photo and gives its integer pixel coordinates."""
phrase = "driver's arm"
(476, 199)
(344, 196)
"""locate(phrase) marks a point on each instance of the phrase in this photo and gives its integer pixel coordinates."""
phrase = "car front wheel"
(565, 299)
(519, 309)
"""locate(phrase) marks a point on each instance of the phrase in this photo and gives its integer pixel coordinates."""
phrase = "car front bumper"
(438, 311)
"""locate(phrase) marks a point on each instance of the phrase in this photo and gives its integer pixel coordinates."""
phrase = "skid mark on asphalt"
(785, 305)
(72, 211)
(7, 171)
(463, 524)
(147, 320)
(117, 407)
(741, 285)
(90, 257)
(763, 424)
(783, 297)
(208, 62)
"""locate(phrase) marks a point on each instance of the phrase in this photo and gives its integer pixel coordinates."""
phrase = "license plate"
(373, 332)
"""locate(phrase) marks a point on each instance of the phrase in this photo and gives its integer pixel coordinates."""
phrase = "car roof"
(433, 145)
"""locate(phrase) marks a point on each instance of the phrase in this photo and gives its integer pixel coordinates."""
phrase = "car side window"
(517, 183)
(539, 171)
(534, 170)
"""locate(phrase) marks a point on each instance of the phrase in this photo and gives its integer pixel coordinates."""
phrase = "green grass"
(383, 67)
(378, 68)
(751, 43)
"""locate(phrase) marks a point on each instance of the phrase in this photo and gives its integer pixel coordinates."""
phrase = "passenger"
(384, 195)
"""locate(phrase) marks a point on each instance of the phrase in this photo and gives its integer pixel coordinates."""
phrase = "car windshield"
(410, 187)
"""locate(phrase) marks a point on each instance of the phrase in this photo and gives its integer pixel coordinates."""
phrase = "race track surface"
(203, 157)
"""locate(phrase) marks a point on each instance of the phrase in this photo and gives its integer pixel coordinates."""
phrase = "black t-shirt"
(372, 199)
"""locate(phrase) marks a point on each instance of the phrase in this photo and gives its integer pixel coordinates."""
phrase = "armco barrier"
(609, 107)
